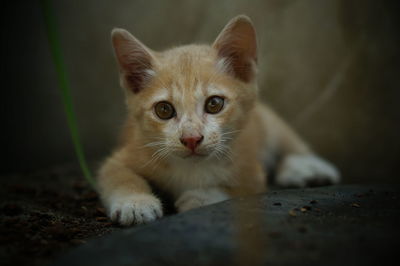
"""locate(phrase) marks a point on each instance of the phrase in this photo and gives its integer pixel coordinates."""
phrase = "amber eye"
(214, 104)
(164, 110)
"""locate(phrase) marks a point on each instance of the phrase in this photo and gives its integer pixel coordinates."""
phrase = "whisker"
(161, 156)
(226, 151)
(153, 144)
(230, 132)
(155, 155)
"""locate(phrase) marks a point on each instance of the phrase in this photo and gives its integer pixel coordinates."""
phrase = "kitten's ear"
(237, 48)
(134, 58)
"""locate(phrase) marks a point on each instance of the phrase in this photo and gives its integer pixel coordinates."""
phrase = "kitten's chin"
(197, 155)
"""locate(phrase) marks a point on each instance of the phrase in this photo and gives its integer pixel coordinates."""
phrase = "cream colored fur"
(238, 142)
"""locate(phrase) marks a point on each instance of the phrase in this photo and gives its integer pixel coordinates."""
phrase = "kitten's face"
(191, 112)
(190, 101)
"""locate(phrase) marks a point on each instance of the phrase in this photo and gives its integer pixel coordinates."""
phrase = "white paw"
(134, 209)
(306, 170)
(199, 197)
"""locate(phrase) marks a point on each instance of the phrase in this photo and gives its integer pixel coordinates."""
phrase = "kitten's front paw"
(199, 197)
(306, 170)
(134, 209)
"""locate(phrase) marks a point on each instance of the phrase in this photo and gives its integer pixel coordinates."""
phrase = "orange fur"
(246, 132)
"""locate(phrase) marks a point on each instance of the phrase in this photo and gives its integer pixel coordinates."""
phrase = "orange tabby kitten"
(196, 129)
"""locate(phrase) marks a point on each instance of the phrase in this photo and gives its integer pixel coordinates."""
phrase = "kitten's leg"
(249, 179)
(301, 170)
(195, 198)
(126, 195)
(299, 166)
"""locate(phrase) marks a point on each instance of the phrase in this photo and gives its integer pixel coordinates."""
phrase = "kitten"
(196, 129)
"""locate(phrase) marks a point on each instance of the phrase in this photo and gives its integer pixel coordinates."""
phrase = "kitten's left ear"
(237, 46)
(134, 58)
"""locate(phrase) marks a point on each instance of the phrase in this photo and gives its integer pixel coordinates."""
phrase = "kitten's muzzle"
(192, 142)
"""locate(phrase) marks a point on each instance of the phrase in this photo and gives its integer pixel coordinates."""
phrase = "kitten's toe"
(306, 170)
(135, 209)
(126, 217)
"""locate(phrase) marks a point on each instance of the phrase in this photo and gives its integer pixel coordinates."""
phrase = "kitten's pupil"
(214, 104)
(164, 110)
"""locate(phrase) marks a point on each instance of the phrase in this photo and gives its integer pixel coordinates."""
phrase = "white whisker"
(230, 132)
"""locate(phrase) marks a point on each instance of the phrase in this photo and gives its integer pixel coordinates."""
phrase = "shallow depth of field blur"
(330, 68)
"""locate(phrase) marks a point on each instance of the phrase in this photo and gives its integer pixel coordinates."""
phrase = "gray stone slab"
(339, 225)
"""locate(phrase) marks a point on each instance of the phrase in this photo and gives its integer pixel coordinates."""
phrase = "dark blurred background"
(330, 68)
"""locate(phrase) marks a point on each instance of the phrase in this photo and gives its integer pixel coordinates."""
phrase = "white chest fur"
(187, 174)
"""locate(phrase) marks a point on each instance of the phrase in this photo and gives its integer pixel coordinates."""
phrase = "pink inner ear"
(135, 81)
(136, 76)
(134, 60)
(135, 71)
(237, 44)
(240, 64)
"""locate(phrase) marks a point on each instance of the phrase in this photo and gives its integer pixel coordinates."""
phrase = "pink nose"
(192, 142)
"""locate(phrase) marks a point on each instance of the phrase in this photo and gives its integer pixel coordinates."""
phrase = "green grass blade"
(55, 46)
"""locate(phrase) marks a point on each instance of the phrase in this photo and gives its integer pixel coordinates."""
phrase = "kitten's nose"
(191, 142)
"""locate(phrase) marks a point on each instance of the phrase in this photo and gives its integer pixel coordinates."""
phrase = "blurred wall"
(329, 67)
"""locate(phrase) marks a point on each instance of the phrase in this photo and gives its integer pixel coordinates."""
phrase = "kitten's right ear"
(134, 58)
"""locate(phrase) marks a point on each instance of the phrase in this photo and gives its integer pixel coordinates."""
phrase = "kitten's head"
(190, 101)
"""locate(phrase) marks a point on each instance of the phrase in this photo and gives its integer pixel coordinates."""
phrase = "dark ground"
(44, 215)
(336, 225)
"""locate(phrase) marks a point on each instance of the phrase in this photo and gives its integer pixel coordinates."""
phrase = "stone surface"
(337, 225)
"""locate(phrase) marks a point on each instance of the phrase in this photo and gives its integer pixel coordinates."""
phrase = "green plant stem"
(55, 47)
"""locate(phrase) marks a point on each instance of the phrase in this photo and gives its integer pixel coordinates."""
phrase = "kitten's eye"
(214, 104)
(164, 110)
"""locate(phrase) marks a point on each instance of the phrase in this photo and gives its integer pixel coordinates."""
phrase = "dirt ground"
(43, 214)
